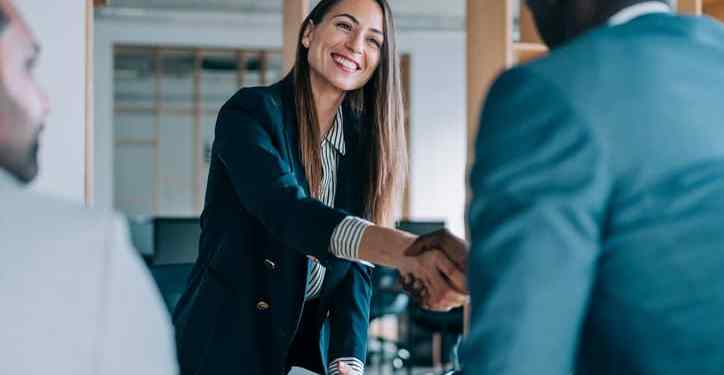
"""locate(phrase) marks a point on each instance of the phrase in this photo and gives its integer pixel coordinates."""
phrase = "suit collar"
(637, 10)
(8, 182)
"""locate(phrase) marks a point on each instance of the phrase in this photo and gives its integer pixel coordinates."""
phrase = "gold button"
(270, 265)
(262, 306)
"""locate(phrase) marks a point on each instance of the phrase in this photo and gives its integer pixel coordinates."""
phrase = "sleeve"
(349, 319)
(356, 367)
(135, 335)
(346, 239)
(539, 186)
(266, 186)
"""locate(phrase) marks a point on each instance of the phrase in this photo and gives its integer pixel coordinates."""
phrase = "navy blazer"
(243, 311)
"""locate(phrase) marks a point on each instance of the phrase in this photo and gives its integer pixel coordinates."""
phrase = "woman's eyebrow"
(356, 21)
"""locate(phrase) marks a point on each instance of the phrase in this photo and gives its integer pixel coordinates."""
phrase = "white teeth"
(351, 65)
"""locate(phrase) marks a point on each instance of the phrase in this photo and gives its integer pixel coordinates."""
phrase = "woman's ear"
(307, 36)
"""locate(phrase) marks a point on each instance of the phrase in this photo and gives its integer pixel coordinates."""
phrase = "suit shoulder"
(253, 106)
(45, 226)
(255, 99)
(519, 82)
(593, 59)
(48, 211)
(67, 207)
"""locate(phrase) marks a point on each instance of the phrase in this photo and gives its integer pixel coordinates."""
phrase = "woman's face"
(345, 48)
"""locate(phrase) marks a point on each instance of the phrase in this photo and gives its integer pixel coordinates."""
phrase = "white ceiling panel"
(446, 8)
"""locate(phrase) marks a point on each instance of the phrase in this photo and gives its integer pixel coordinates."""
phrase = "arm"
(539, 187)
(265, 184)
(349, 321)
(436, 276)
(134, 334)
(268, 190)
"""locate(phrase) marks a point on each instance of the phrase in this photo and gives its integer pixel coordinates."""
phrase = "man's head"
(23, 104)
(561, 20)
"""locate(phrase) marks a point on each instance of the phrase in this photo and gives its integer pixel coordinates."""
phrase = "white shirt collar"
(637, 10)
(335, 135)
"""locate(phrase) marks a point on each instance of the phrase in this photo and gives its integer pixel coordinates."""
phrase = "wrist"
(385, 246)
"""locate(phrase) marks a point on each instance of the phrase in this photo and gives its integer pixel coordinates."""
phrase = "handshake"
(433, 270)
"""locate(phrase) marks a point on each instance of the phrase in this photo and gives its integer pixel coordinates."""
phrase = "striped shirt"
(346, 236)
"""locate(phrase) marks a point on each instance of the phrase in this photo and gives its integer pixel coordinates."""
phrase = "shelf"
(714, 9)
(524, 52)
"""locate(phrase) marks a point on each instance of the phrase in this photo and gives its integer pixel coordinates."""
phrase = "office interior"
(136, 135)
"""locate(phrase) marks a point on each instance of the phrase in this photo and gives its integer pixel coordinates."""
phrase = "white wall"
(61, 71)
(437, 98)
(438, 123)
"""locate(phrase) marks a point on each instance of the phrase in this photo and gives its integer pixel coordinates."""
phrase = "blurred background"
(136, 136)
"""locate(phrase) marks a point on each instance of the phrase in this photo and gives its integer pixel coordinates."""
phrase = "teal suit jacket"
(597, 217)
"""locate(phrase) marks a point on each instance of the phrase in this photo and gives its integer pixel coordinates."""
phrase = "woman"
(297, 170)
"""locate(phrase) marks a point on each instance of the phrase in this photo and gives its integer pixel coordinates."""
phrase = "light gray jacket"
(74, 296)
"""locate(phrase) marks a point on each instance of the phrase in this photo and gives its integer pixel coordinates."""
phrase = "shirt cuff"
(355, 366)
(347, 237)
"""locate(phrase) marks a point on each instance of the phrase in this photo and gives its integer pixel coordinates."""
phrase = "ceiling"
(437, 13)
(427, 7)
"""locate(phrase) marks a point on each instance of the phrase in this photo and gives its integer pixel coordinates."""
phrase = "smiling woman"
(300, 172)
(343, 46)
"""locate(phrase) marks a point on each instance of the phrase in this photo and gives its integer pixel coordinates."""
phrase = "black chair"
(446, 329)
(387, 300)
(175, 240)
(141, 231)
(166, 240)
(171, 281)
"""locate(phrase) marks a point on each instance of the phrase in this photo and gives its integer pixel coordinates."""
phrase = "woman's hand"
(433, 280)
(346, 370)
(440, 282)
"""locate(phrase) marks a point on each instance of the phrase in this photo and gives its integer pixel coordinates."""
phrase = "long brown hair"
(380, 99)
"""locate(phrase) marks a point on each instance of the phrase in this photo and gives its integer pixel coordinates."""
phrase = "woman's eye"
(344, 26)
(375, 42)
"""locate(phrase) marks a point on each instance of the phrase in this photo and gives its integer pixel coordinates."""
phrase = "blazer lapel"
(291, 133)
(348, 195)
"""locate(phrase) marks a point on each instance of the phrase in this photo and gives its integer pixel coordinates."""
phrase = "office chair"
(387, 300)
(171, 281)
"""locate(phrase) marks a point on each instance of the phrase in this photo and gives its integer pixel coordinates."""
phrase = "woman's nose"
(356, 43)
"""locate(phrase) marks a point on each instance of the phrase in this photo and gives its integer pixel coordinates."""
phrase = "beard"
(33, 151)
(28, 165)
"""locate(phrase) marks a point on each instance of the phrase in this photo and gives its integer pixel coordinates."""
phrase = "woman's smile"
(345, 63)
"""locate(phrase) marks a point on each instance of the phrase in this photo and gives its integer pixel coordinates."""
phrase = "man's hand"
(435, 261)
(441, 251)
(455, 248)
(433, 281)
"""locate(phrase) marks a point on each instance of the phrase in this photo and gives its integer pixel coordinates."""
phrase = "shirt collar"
(335, 135)
(7, 181)
(637, 10)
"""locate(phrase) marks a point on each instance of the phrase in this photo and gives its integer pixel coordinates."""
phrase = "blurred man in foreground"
(75, 297)
(598, 192)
